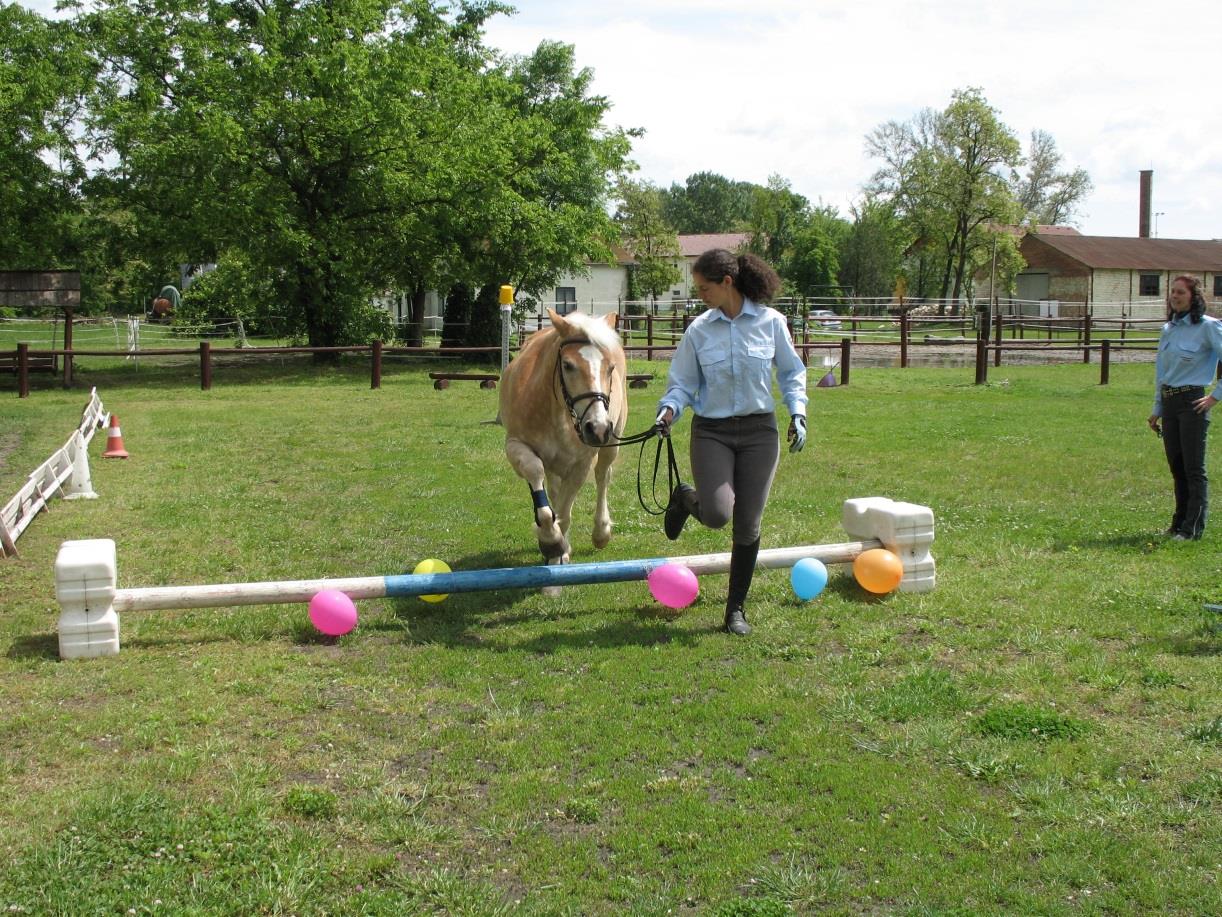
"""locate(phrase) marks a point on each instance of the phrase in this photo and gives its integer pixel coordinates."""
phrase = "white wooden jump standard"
(90, 600)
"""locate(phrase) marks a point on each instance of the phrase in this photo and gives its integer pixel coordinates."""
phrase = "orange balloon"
(878, 570)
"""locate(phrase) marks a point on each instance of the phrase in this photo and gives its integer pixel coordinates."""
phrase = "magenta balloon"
(674, 585)
(332, 612)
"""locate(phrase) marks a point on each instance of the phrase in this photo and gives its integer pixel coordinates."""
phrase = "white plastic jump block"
(905, 529)
(85, 583)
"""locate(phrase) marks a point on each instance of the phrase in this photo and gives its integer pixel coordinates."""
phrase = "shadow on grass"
(1142, 541)
(35, 646)
(1204, 640)
(474, 618)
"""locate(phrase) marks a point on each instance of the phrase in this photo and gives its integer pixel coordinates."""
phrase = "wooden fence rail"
(25, 357)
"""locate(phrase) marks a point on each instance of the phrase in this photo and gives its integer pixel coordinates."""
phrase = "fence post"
(23, 370)
(1104, 360)
(903, 338)
(982, 360)
(845, 352)
(375, 380)
(998, 335)
(205, 365)
(1086, 339)
(67, 347)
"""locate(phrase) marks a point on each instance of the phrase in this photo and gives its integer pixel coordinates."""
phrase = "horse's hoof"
(553, 592)
(602, 539)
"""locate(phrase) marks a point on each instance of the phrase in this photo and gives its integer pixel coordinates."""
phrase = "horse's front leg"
(564, 494)
(526, 462)
(602, 481)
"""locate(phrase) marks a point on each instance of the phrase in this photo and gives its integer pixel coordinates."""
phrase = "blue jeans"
(1184, 432)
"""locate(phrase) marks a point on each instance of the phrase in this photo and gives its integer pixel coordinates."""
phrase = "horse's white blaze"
(597, 414)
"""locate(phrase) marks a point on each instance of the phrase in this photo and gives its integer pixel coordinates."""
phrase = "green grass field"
(1040, 734)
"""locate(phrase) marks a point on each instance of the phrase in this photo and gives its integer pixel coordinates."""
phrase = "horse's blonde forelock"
(598, 331)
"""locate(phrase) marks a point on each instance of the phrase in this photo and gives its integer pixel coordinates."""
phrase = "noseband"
(592, 397)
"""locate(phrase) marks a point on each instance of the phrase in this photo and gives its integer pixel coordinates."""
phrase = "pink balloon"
(332, 612)
(674, 585)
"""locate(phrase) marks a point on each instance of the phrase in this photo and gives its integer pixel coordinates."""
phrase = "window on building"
(1217, 285)
(1149, 284)
(566, 300)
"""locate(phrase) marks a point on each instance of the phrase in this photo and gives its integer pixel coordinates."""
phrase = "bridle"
(592, 397)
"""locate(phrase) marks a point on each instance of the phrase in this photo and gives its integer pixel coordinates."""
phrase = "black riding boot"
(742, 570)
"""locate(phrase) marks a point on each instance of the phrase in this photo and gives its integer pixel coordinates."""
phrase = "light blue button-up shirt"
(1188, 354)
(723, 367)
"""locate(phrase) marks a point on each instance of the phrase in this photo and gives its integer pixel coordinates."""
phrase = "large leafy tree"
(946, 174)
(1047, 193)
(872, 250)
(812, 264)
(548, 214)
(347, 145)
(707, 203)
(777, 213)
(646, 234)
(42, 78)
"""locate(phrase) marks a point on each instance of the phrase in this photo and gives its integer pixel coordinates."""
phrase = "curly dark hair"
(752, 276)
(1197, 297)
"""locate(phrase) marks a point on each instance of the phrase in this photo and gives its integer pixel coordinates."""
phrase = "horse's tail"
(495, 420)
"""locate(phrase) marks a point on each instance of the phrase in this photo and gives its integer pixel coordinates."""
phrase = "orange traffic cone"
(114, 440)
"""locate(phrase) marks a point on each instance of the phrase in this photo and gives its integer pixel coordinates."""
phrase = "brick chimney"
(1143, 219)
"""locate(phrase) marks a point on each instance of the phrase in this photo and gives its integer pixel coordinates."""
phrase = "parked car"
(825, 318)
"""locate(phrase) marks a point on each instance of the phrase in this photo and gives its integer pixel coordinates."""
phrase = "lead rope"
(673, 478)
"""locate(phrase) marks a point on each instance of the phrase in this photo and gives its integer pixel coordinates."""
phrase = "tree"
(349, 145)
(707, 203)
(813, 262)
(1047, 194)
(42, 77)
(777, 212)
(653, 244)
(943, 174)
(872, 250)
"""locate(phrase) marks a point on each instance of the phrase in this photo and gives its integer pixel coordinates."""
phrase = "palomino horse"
(564, 402)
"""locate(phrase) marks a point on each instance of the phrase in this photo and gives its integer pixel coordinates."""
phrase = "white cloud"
(793, 88)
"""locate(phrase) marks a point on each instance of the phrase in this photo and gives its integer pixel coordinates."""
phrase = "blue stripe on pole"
(618, 571)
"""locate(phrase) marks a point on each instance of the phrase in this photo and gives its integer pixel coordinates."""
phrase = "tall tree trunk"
(415, 324)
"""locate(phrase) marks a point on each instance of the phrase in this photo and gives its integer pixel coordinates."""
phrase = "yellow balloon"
(878, 570)
(432, 565)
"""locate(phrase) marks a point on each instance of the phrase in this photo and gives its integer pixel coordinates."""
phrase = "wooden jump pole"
(413, 584)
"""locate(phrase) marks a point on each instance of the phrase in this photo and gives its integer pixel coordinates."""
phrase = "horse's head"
(589, 356)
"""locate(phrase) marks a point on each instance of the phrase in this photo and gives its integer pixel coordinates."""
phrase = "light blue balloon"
(808, 578)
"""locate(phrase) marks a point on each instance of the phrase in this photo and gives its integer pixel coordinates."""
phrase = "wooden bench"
(485, 380)
(639, 380)
(8, 363)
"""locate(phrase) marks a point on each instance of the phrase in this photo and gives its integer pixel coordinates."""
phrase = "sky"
(752, 88)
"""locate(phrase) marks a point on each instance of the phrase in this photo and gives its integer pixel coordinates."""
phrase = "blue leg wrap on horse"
(540, 500)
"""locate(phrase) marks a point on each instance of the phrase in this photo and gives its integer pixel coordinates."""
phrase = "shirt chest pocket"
(715, 364)
(761, 353)
(1186, 351)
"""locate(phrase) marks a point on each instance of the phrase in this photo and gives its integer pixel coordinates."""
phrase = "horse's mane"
(597, 330)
